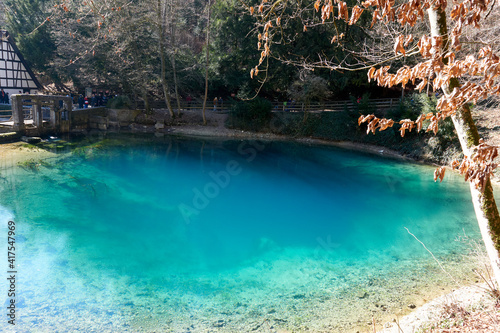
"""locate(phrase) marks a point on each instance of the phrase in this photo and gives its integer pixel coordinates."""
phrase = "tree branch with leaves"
(463, 75)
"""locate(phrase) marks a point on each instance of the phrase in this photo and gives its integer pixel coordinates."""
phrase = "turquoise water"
(188, 235)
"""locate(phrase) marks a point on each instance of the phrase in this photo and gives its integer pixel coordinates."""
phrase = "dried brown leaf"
(355, 15)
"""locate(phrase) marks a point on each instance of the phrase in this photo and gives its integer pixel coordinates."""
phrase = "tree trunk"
(207, 62)
(145, 97)
(172, 59)
(176, 85)
(484, 203)
(164, 83)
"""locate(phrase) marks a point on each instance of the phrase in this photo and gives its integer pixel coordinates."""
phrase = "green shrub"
(284, 123)
(339, 126)
(253, 115)
(364, 106)
(412, 106)
(119, 102)
(310, 89)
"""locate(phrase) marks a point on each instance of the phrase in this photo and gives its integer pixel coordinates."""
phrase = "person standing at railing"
(215, 103)
(2, 97)
(80, 101)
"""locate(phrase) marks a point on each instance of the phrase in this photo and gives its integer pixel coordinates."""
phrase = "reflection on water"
(224, 235)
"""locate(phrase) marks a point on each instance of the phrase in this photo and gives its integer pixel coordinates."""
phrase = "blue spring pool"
(188, 235)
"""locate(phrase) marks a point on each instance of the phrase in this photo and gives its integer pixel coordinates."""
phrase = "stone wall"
(102, 119)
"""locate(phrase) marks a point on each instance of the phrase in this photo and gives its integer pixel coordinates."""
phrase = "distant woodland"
(146, 48)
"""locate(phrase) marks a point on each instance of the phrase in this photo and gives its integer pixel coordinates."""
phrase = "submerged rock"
(220, 323)
(160, 125)
(31, 139)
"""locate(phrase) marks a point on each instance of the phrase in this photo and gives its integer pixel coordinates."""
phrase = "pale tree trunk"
(143, 85)
(207, 62)
(484, 202)
(164, 83)
(145, 97)
(172, 59)
(176, 85)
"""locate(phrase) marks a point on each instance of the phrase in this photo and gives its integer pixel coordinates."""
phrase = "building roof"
(14, 71)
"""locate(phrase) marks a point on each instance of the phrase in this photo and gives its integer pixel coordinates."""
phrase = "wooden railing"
(5, 113)
(380, 104)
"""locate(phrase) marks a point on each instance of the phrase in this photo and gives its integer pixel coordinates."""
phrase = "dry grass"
(488, 122)
(482, 316)
(456, 318)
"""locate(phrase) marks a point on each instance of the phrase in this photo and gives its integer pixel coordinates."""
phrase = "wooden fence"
(380, 104)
